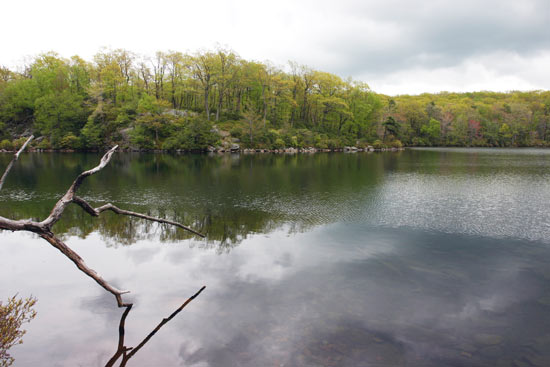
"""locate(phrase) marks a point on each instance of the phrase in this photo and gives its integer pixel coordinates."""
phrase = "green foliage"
(505, 135)
(391, 127)
(6, 144)
(396, 144)
(278, 143)
(18, 143)
(196, 134)
(57, 114)
(69, 141)
(100, 102)
(3, 132)
(378, 144)
(93, 134)
(432, 131)
(150, 130)
(139, 137)
(236, 132)
(44, 144)
(149, 104)
(13, 314)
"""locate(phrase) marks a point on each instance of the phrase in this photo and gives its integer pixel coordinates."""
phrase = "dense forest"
(215, 98)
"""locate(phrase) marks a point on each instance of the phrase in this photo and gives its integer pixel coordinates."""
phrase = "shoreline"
(219, 151)
(245, 151)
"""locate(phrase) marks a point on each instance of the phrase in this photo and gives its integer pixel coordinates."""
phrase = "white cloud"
(394, 45)
(497, 72)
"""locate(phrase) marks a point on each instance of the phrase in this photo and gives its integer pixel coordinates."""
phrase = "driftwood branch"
(15, 158)
(128, 352)
(43, 228)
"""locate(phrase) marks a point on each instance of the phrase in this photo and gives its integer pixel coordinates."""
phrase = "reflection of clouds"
(367, 296)
(142, 255)
(406, 304)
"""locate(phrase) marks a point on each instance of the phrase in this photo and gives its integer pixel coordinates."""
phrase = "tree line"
(190, 101)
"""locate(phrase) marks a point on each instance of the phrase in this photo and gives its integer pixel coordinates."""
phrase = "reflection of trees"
(128, 352)
(228, 197)
(44, 228)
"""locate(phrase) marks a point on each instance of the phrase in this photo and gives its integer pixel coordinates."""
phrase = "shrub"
(279, 143)
(396, 144)
(377, 144)
(44, 144)
(69, 141)
(236, 132)
(6, 144)
(18, 143)
(171, 143)
(13, 314)
(140, 138)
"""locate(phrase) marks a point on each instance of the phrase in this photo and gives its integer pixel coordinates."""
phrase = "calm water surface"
(427, 257)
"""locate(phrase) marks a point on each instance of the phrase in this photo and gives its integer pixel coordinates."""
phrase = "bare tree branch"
(80, 264)
(15, 158)
(123, 350)
(43, 228)
(58, 209)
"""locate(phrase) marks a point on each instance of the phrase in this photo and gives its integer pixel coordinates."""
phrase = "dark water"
(417, 258)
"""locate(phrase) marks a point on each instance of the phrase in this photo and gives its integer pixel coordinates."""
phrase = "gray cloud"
(374, 38)
(397, 46)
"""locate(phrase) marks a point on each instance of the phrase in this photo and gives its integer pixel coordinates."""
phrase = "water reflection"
(125, 353)
(228, 197)
(427, 300)
(480, 192)
(373, 297)
(425, 258)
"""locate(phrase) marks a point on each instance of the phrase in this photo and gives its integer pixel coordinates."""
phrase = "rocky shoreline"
(238, 150)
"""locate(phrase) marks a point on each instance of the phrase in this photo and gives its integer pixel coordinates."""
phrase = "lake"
(426, 257)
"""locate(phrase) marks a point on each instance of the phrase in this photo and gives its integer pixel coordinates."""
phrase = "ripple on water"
(489, 205)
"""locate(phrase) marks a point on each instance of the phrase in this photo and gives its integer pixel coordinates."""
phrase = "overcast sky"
(396, 46)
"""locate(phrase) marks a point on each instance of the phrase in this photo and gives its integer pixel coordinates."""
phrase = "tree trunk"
(206, 107)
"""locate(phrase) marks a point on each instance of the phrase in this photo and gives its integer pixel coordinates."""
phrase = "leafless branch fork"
(128, 352)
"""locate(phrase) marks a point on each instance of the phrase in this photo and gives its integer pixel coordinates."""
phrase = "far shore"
(220, 151)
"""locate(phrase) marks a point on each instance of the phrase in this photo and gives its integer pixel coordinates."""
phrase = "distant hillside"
(215, 98)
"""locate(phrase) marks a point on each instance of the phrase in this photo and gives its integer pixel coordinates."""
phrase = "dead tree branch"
(15, 158)
(123, 350)
(44, 228)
